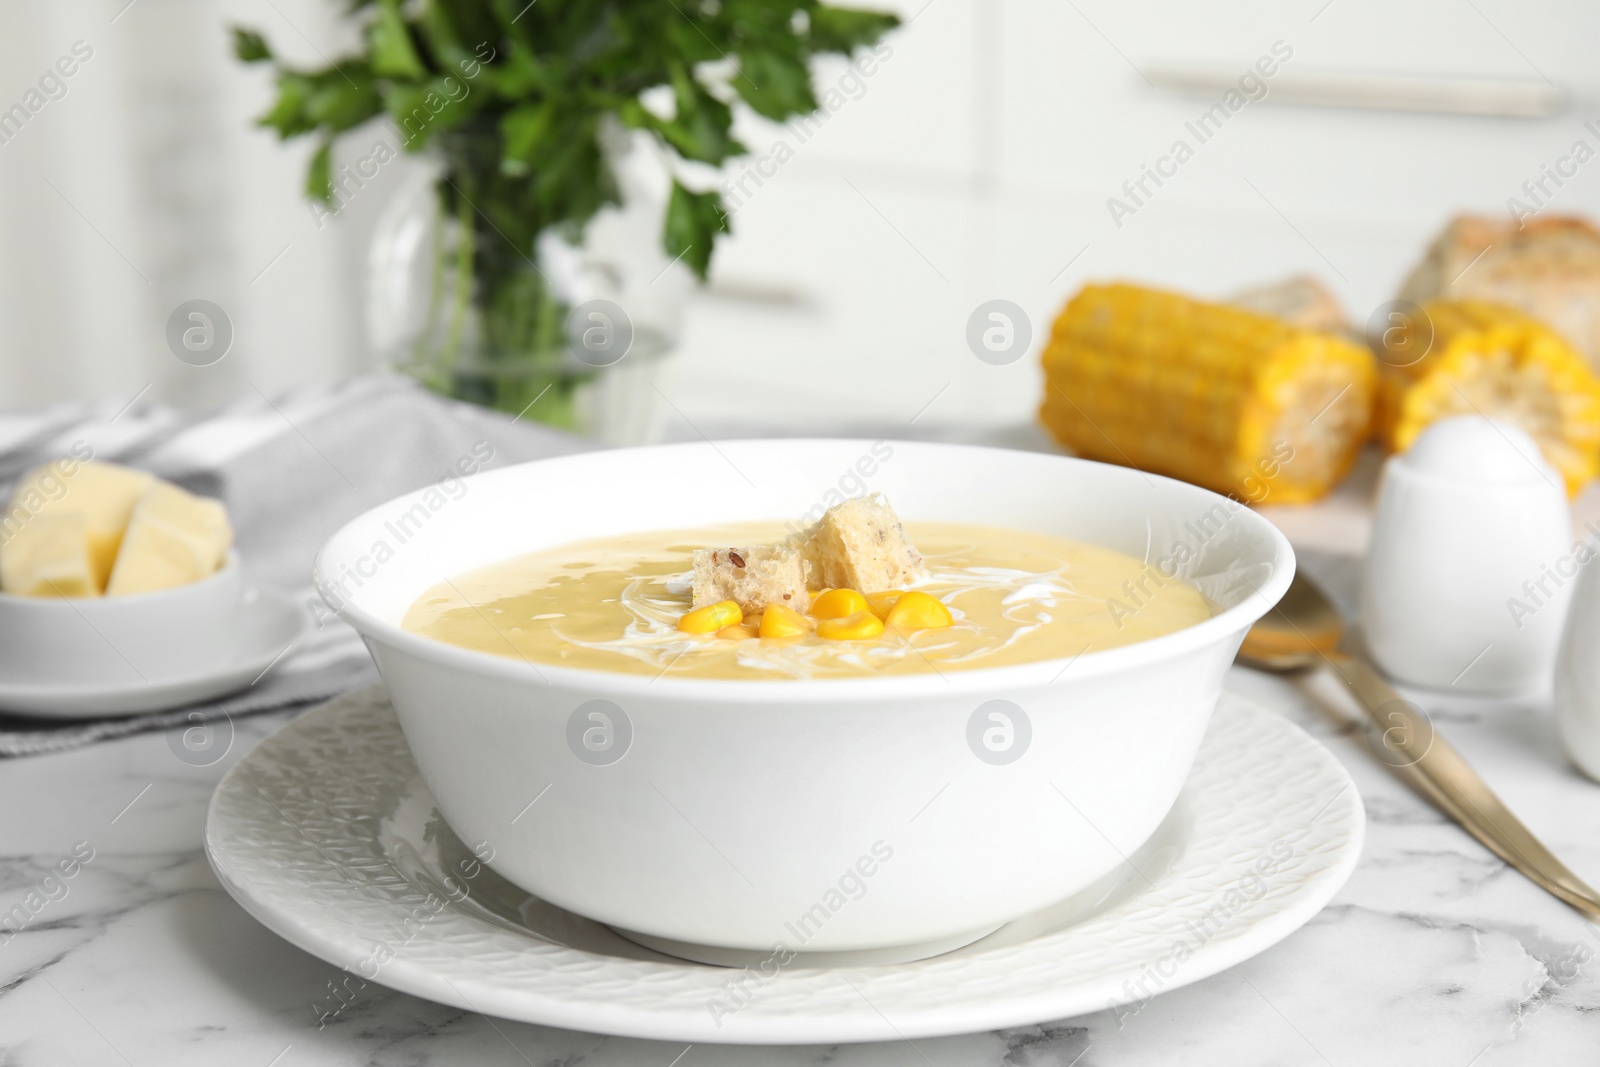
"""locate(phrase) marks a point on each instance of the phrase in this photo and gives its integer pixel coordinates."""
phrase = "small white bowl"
(823, 815)
(121, 640)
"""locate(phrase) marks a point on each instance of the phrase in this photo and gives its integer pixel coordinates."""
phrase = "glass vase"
(475, 307)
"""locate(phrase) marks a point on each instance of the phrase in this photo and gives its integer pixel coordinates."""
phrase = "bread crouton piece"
(861, 545)
(754, 576)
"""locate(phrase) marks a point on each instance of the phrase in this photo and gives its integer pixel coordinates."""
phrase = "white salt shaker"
(1578, 673)
(1471, 566)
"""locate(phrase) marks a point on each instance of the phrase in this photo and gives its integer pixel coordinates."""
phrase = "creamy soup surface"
(613, 604)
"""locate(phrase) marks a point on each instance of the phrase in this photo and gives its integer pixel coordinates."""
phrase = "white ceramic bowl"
(121, 640)
(838, 814)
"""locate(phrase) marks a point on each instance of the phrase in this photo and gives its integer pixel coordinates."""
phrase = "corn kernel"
(861, 626)
(711, 618)
(837, 603)
(918, 611)
(739, 631)
(880, 603)
(779, 621)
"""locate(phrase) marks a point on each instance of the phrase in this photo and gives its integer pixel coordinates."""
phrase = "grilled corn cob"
(1228, 399)
(1490, 359)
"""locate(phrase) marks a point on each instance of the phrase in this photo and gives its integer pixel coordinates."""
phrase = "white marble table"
(1434, 953)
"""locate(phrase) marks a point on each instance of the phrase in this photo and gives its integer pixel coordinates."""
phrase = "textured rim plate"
(326, 835)
(271, 622)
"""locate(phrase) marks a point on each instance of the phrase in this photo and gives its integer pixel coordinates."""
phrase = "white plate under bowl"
(269, 623)
(325, 833)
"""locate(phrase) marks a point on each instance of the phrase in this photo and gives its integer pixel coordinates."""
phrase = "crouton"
(753, 576)
(860, 545)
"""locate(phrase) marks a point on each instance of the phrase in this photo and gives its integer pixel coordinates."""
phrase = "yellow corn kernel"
(918, 611)
(837, 603)
(779, 621)
(880, 603)
(861, 626)
(711, 618)
(739, 631)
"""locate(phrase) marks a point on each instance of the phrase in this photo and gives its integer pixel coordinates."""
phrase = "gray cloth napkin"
(292, 469)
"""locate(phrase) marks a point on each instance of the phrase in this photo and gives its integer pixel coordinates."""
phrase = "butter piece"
(48, 555)
(104, 494)
(173, 538)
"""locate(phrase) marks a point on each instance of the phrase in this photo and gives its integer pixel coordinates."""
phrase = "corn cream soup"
(614, 604)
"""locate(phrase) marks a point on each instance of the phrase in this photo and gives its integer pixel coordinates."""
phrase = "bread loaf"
(1547, 268)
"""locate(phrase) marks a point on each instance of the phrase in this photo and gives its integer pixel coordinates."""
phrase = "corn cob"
(1224, 398)
(1490, 359)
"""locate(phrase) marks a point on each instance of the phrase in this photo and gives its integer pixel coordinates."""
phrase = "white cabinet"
(990, 142)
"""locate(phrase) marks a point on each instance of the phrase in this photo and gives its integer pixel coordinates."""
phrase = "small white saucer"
(325, 833)
(269, 623)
